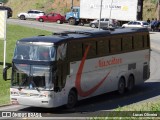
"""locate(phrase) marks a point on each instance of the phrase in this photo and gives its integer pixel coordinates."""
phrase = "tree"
(4, 1)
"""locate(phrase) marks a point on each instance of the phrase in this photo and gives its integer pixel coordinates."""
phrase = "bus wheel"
(121, 86)
(130, 83)
(72, 99)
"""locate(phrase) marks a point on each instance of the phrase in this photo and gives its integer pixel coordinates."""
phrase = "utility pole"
(158, 9)
(99, 23)
(71, 4)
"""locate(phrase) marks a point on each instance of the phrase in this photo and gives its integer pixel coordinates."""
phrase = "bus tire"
(121, 86)
(131, 84)
(72, 99)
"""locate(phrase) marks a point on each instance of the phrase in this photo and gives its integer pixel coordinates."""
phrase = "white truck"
(121, 10)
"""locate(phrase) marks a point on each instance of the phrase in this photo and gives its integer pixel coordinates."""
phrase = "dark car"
(9, 10)
(51, 17)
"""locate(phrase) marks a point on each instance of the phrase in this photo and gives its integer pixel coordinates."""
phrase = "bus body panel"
(92, 74)
(88, 76)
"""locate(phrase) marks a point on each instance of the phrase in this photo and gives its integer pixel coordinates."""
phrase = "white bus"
(50, 71)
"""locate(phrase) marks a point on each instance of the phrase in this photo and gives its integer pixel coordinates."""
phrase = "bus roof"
(70, 35)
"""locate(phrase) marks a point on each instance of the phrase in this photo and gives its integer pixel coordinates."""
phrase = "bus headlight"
(45, 95)
(14, 93)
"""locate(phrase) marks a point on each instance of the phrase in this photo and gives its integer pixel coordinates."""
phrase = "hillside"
(63, 6)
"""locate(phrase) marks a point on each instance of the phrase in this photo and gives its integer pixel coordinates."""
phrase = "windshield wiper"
(32, 82)
(20, 86)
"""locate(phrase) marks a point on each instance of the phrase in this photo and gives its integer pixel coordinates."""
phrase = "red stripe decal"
(78, 78)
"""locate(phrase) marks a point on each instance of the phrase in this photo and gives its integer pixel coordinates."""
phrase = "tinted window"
(106, 20)
(130, 23)
(115, 45)
(92, 48)
(75, 49)
(30, 11)
(145, 23)
(127, 43)
(102, 19)
(103, 46)
(138, 42)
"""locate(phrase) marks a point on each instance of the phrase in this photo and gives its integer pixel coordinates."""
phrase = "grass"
(14, 33)
(126, 112)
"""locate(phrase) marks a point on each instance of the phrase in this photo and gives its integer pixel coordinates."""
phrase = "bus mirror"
(5, 73)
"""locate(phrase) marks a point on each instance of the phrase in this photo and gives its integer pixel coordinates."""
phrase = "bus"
(63, 68)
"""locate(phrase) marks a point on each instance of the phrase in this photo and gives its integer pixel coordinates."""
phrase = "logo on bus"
(81, 92)
(113, 61)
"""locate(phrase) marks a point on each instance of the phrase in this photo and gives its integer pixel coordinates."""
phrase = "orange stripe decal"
(78, 78)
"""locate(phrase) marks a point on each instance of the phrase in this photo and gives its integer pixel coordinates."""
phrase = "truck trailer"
(121, 10)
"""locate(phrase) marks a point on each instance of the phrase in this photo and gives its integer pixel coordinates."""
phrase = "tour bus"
(61, 69)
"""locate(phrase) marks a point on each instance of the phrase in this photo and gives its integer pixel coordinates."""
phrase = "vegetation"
(149, 8)
(14, 33)
(44, 5)
(4, 1)
(129, 112)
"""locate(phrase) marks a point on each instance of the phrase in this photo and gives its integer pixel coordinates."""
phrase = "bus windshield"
(32, 76)
(34, 51)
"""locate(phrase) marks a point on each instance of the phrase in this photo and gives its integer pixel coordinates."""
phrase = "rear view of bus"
(50, 71)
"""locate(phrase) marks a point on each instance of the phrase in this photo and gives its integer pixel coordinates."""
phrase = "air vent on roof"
(61, 34)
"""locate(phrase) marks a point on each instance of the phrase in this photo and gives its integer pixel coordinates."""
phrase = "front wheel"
(93, 26)
(59, 22)
(41, 20)
(72, 21)
(72, 99)
(22, 17)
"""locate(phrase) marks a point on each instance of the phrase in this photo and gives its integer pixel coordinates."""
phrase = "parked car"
(31, 14)
(136, 24)
(9, 10)
(103, 23)
(51, 17)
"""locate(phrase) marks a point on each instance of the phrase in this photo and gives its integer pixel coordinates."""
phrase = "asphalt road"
(49, 26)
(148, 91)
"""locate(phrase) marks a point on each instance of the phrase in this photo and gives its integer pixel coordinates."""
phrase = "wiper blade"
(32, 82)
(20, 86)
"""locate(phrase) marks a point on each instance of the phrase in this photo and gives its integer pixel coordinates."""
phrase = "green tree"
(4, 1)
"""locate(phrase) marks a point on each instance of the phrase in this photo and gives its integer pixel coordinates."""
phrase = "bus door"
(62, 67)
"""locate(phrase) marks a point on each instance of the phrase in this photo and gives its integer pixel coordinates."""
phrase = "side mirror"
(5, 73)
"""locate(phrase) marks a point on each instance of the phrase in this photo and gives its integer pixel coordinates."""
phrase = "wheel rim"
(93, 26)
(72, 21)
(41, 20)
(58, 21)
(22, 17)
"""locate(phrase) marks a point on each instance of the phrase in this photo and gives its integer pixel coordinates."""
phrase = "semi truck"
(89, 10)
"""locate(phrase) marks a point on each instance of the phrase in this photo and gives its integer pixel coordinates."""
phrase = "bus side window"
(138, 42)
(92, 50)
(115, 45)
(146, 40)
(127, 43)
(75, 50)
(103, 47)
